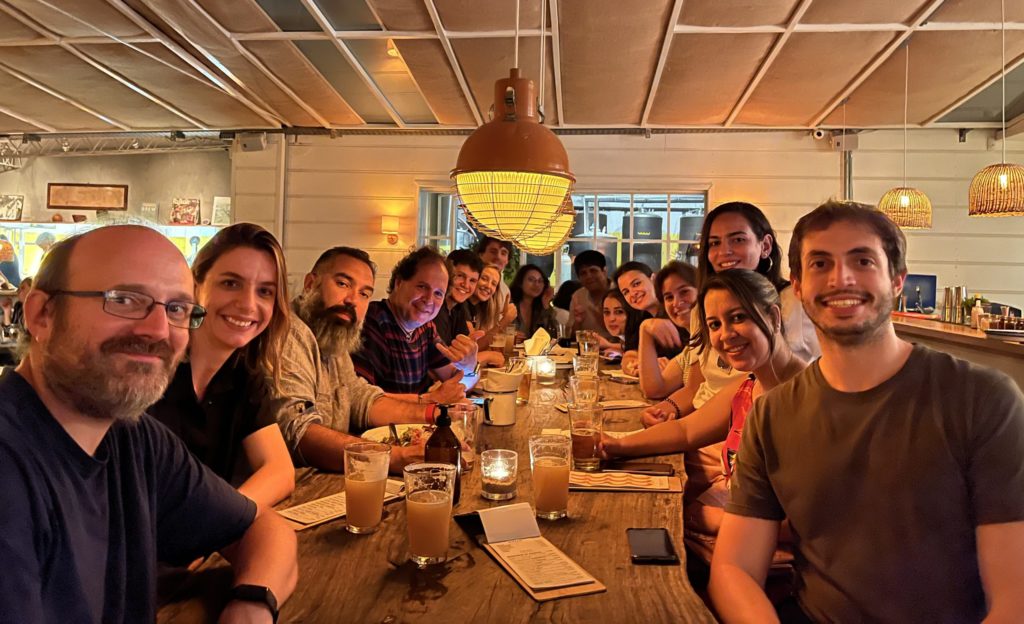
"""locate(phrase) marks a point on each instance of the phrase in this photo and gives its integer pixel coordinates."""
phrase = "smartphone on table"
(651, 546)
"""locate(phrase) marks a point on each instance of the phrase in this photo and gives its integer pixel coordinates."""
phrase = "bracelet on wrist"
(429, 415)
(675, 406)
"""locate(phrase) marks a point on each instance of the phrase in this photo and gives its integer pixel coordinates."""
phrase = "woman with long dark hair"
(676, 287)
(528, 289)
(219, 401)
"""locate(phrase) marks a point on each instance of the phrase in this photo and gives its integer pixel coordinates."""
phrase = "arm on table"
(265, 556)
(656, 382)
(324, 448)
(1002, 569)
(683, 398)
(739, 567)
(273, 477)
(705, 426)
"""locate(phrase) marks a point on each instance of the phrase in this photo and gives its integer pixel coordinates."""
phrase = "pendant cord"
(543, 48)
(906, 98)
(515, 59)
(1002, 8)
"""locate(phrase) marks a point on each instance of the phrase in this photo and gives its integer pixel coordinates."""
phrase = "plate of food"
(407, 434)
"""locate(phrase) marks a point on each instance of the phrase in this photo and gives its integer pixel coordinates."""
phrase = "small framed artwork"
(11, 207)
(221, 211)
(184, 211)
(149, 211)
(74, 196)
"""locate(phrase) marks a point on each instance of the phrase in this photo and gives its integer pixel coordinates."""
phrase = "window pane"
(442, 245)
(465, 234)
(613, 214)
(586, 212)
(435, 214)
(649, 254)
(650, 216)
(688, 216)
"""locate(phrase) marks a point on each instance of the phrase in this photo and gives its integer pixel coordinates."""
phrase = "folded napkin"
(536, 345)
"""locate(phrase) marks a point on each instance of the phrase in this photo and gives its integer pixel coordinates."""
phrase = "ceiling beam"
(342, 47)
(18, 15)
(43, 41)
(260, 67)
(64, 98)
(1013, 64)
(666, 45)
(556, 58)
(875, 63)
(27, 119)
(258, 107)
(780, 42)
(1015, 126)
(453, 61)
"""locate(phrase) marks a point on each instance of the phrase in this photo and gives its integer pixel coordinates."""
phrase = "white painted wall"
(151, 178)
(335, 191)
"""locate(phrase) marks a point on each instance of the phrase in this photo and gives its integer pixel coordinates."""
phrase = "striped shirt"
(391, 359)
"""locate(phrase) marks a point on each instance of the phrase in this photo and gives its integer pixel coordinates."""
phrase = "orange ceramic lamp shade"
(512, 174)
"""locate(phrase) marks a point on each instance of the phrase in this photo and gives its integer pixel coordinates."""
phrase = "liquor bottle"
(443, 447)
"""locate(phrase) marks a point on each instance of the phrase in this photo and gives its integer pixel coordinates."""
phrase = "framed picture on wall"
(11, 207)
(184, 211)
(74, 196)
(150, 212)
(221, 211)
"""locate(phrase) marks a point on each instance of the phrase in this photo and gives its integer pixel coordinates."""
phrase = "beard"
(101, 385)
(334, 335)
(864, 332)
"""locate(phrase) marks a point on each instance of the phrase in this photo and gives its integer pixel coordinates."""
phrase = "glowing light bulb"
(904, 200)
(1003, 181)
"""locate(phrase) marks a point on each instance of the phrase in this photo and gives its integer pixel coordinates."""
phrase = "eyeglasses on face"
(134, 305)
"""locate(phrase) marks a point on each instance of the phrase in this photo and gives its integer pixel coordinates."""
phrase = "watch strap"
(256, 593)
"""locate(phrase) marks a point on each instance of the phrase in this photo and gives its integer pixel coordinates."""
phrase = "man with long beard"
(322, 399)
(92, 490)
(897, 467)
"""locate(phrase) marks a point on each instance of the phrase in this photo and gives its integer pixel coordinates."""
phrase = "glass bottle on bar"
(443, 447)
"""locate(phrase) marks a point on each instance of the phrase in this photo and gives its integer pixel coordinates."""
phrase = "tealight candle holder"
(499, 472)
(543, 369)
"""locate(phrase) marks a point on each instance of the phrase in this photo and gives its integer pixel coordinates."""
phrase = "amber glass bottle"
(443, 447)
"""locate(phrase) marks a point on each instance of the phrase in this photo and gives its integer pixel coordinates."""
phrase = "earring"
(771, 263)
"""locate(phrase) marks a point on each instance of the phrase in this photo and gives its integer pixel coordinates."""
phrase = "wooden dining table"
(368, 578)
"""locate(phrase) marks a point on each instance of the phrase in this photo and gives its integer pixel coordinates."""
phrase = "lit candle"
(499, 472)
(544, 369)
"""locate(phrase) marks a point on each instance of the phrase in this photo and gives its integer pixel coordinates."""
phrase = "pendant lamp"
(998, 190)
(512, 174)
(552, 238)
(908, 207)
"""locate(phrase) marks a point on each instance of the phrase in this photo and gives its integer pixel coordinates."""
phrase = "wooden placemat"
(622, 482)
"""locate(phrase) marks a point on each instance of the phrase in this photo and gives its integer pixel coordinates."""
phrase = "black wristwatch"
(256, 593)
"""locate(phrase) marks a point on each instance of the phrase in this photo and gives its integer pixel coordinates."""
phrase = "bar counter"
(964, 342)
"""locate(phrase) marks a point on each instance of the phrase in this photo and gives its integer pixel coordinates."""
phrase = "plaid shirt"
(392, 361)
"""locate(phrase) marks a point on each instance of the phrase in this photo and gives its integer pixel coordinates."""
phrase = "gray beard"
(333, 337)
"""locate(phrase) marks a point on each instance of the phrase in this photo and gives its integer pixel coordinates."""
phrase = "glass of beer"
(428, 509)
(586, 422)
(584, 365)
(366, 476)
(509, 346)
(522, 364)
(549, 461)
(466, 419)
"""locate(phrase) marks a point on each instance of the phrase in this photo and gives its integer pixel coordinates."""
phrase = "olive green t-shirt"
(884, 488)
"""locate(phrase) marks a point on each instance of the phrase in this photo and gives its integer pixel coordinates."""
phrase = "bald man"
(93, 492)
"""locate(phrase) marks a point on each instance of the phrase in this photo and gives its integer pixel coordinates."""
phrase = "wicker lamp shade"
(908, 208)
(997, 191)
(512, 175)
(551, 239)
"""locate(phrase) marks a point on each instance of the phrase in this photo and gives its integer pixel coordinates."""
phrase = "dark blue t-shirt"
(80, 536)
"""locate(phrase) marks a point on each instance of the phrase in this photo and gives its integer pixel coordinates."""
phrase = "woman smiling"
(218, 400)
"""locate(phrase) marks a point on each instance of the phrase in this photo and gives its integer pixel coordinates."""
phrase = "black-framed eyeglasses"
(134, 305)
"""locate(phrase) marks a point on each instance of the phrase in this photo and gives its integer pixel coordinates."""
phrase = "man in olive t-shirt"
(900, 469)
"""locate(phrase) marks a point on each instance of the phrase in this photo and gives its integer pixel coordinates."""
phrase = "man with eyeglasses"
(93, 492)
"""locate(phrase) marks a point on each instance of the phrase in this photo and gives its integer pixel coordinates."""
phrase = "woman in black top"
(527, 290)
(218, 401)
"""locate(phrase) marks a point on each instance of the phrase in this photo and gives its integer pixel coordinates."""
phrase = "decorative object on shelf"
(551, 239)
(11, 207)
(908, 207)
(72, 195)
(389, 227)
(512, 174)
(998, 190)
(57, 218)
(78, 218)
(221, 211)
(184, 211)
(150, 212)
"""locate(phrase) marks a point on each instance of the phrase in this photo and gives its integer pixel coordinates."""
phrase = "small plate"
(383, 434)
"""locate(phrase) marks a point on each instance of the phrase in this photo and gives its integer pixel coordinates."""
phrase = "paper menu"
(618, 480)
(333, 506)
(540, 565)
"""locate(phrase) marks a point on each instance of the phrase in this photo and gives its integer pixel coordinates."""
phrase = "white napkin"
(535, 345)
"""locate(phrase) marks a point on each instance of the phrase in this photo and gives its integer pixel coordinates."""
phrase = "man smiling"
(452, 318)
(401, 351)
(898, 468)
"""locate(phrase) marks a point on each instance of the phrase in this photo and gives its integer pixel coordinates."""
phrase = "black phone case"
(666, 556)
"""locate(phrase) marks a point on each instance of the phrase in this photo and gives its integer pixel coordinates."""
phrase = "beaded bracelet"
(675, 406)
